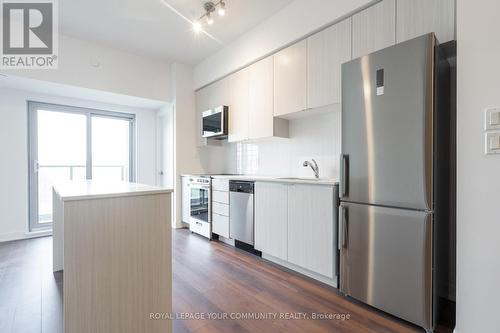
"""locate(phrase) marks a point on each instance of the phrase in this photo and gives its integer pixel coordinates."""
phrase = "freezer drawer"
(386, 260)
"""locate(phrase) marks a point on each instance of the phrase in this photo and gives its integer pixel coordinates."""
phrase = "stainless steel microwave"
(215, 122)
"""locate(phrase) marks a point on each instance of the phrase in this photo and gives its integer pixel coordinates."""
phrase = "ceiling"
(151, 28)
(69, 91)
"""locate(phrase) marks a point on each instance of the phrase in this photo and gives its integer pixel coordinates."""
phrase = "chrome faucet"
(313, 165)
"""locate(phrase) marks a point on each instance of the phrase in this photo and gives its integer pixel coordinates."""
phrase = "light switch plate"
(492, 141)
(492, 119)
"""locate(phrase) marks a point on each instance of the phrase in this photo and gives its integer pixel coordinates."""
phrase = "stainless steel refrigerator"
(394, 136)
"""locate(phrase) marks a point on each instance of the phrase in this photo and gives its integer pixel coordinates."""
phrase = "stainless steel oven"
(200, 205)
(215, 122)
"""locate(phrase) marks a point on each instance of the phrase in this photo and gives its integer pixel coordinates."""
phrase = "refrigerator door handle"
(345, 228)
(344, 176)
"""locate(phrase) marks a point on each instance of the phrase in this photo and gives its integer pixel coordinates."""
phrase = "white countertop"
(278, 179)
(81, 190)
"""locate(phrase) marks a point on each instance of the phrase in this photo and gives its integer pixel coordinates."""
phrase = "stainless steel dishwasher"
(241, 217)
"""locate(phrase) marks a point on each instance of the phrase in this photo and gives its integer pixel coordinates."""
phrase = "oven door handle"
(202, 187)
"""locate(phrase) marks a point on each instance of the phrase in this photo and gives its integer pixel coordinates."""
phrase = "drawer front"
(220, 185)
(220, 225)
(220, 197)
(201, 228)
(221, 209)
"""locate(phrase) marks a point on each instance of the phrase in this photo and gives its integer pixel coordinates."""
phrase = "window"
(69, 143)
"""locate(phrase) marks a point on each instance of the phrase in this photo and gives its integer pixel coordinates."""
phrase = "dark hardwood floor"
(30, 293)
(208, 278)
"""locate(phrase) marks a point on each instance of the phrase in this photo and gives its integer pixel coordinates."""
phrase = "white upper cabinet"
(261, 106)
(326, 51)
(290, 79)
(415, 18)
(271, 220)
(207, 98)
(238, 102)
(311, 232)
(261, 121)
(374, 28)
(202, 101)
(307, 74)
(219, 93)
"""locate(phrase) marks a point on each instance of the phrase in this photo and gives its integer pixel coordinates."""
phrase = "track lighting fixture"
(209, 8)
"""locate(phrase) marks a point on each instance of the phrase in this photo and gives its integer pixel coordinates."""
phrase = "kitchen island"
(113, 242)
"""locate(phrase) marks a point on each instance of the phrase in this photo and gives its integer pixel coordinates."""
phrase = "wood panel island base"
(114, 244)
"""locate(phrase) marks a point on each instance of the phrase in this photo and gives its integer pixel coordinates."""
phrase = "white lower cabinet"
(220, 225)
(220, 197)
(311, 228)
(220, 207)
(296, 223)
(271, 202)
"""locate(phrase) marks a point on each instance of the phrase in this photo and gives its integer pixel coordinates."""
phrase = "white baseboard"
(313, 275)
(227, 241)
(181, 225)
(12, 236)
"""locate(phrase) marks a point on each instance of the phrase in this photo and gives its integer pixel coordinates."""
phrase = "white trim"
(312, 275)
(12, 236)
(228, 241)
(181, 225)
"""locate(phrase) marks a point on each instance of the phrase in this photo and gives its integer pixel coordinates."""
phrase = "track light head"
(222, 9)
(210, 20)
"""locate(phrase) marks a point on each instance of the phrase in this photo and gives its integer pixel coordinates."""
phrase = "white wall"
(165, 146)
(317, 136)
(478, 220)
(190, 158)
(185, 145)
(118, 71)
(14, 153)
(293, 22)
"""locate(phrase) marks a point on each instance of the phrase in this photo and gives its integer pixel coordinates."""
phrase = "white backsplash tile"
(315, 137)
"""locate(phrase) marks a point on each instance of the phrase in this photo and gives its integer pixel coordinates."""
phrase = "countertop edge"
(332, 182)
(85, 190)
(111, 195)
